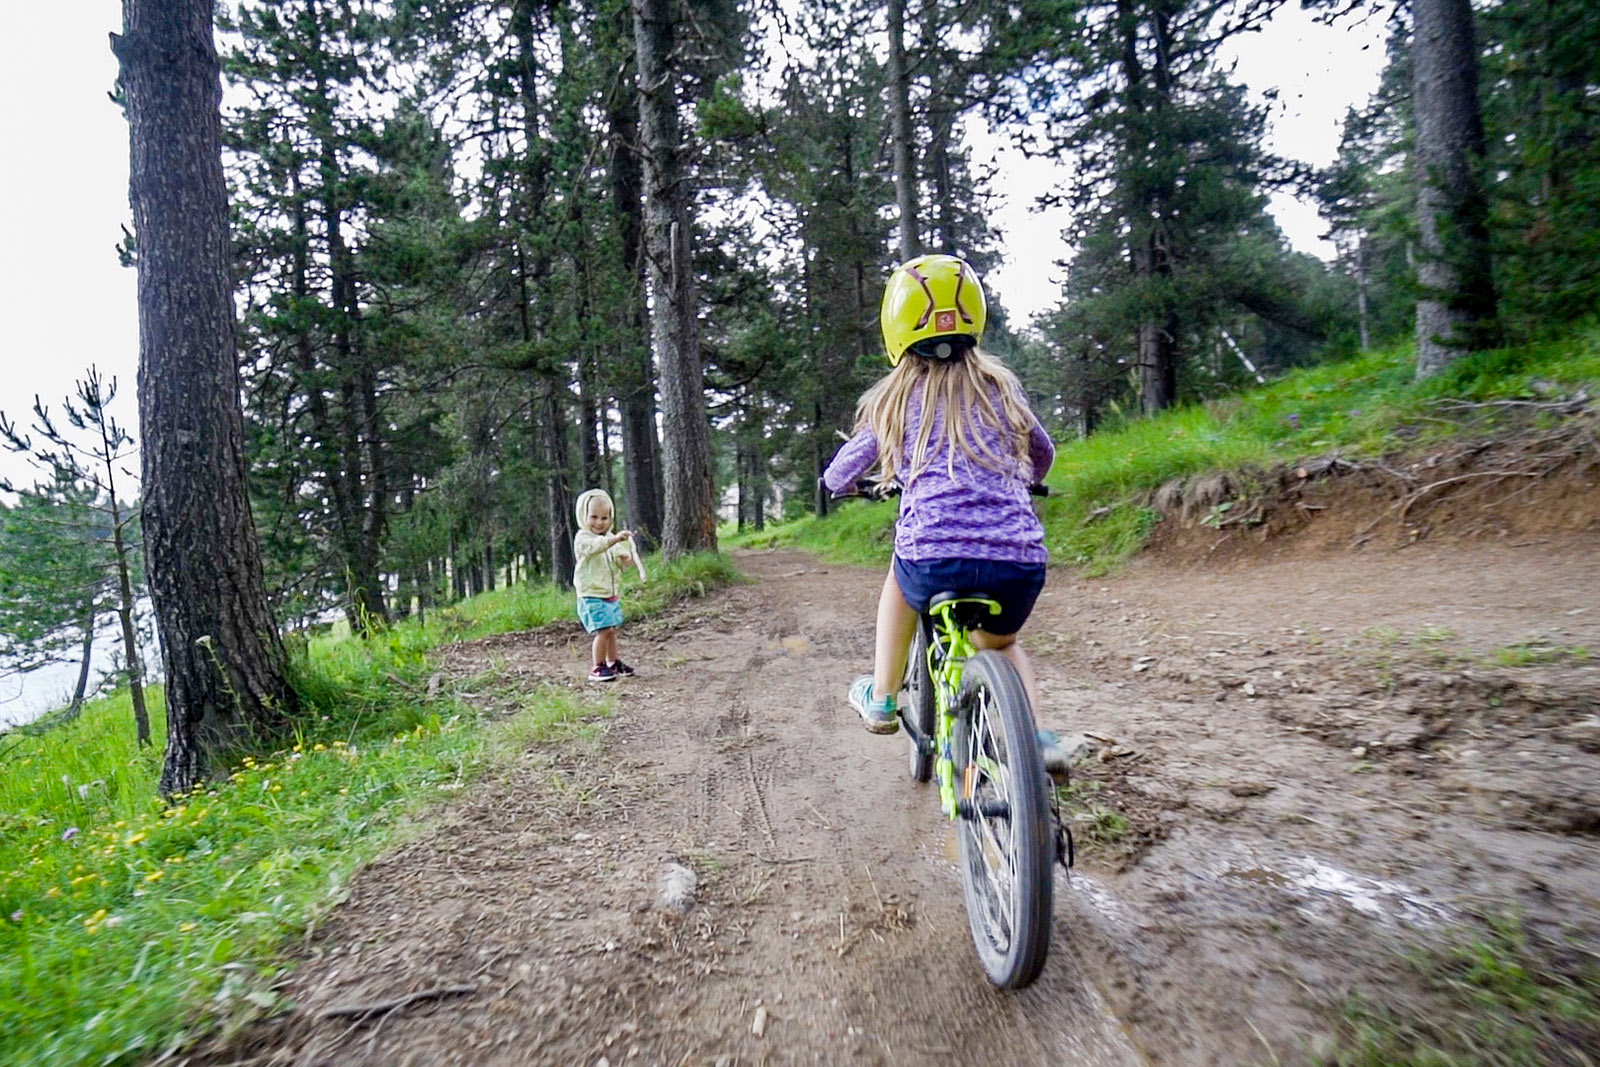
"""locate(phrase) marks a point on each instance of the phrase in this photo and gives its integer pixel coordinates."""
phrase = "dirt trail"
(1307, 765)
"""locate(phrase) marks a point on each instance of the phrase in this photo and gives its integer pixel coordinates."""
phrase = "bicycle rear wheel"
(1006, 844)
(920, 706)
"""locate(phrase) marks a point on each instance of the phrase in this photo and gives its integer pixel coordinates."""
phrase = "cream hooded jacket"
(599, 567)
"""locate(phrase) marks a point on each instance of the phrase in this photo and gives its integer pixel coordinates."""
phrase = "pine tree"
(52, 583)
(1170, 164)
(225, 665)
(82, 492)
(689, 522)
(300, 148)
(1456, 309)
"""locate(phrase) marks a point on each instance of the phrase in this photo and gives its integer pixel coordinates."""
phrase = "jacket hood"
(582, 510)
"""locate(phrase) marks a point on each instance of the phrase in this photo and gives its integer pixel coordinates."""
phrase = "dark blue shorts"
(1015, 585)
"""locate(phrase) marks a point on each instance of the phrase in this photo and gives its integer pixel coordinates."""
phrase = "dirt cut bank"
(1295, 770)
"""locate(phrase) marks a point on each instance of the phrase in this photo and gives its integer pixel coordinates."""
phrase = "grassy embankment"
(1353, 408)
(128, 925)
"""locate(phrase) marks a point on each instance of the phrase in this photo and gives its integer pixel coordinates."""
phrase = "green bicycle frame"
(949, 648)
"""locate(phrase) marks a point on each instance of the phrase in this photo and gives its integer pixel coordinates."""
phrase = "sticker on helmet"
(944, 321)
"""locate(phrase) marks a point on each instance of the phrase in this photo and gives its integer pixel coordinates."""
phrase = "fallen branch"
(1572, 405)
(399, 1002)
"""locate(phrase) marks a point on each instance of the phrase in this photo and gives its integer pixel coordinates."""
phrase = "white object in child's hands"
(638, 560)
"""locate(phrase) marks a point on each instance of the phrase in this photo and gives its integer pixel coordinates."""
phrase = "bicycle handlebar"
(873, 489)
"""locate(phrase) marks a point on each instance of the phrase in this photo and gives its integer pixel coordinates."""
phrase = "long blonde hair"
(963, 389)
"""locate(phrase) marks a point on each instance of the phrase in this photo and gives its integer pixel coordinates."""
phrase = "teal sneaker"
(878, 714)
(1055, 757)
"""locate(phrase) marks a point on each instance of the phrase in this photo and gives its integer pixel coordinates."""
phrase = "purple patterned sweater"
(978, 514)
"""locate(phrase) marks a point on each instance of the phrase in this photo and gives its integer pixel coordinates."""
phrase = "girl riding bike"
(953, 427)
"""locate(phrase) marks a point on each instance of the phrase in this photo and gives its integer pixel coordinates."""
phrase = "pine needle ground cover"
(1095, 516)
(128, 925)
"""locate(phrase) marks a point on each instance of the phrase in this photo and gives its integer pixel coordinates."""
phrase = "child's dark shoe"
(603, 673)
(621, 669)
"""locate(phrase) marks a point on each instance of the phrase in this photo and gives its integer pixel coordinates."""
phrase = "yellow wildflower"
(154, 876)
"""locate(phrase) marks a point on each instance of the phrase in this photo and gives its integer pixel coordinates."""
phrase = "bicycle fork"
(949, 647)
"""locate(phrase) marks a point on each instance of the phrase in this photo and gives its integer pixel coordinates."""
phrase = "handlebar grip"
(868, 488)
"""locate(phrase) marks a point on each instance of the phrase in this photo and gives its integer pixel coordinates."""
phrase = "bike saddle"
(968, 608)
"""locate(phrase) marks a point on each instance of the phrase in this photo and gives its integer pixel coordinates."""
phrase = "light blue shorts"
(597, 613)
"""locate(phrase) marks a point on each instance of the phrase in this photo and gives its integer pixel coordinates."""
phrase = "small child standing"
(597, 579)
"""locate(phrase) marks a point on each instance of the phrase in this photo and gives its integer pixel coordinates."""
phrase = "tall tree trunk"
(589, 427)
(84, 661)
(1456, 310)
(636, 379)
(690, 522)
(821, 453)
(1363, 308)
(551, 427)
(741, 467)
(905, 174)
(225, 665)
(359, 497)
(133, 662)
(1158, 369)
(1150, 91)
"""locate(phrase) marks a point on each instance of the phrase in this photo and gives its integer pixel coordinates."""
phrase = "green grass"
(1491, 1000)
(128, 925)
(528, 607)
(1095, 517)
(859, 532)
(1533, 653)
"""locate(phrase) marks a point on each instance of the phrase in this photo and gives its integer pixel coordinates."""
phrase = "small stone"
(1249, 689)
(759, 1026)
(1359, 751)
(1585, 733)
(677, 887)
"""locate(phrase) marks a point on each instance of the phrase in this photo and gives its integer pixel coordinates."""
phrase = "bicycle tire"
(920, 707)
(1006, 873)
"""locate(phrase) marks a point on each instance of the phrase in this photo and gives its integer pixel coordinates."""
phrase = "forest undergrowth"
(1100, 509)
(129, 924)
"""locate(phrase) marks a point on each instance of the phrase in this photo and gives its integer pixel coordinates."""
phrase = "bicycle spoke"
(999, 868)
(1002, 800)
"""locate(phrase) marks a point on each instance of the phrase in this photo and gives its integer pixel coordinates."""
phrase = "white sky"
(65, 302)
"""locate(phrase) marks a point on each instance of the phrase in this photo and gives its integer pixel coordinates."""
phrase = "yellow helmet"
(928, 299)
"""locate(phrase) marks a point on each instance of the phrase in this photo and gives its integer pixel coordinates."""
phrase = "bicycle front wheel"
(919, 707)
(1006, 845)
